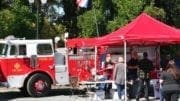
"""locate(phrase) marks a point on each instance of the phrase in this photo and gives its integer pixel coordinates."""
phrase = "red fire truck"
(34, 65)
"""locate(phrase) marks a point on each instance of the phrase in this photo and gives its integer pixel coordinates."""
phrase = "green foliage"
(172, 9)
(172, 50)
(4, 4)
(120, 12)
(176, 13)
(7, 19)
(16, 21)
(22, 25)
(52, 30)
(126, 11)
(87, 23)
(90, 23)
(155, 12)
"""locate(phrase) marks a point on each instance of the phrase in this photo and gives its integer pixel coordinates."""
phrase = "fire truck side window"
(44, 49)
(13, 50)
(22, 49)
(3, 49)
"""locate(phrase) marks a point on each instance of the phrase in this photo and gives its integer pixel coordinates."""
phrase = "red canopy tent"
(144, 30)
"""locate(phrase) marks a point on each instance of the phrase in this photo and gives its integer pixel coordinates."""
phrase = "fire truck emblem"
(17, 67)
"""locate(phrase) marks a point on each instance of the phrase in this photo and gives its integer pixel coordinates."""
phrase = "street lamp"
(38, 2)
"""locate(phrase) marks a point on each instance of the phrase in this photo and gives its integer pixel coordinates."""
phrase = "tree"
(19, 19)
(172, 10)
(53, 29)
(172, 15)
(92, 22)
(69, 20)
(154, 11)
(99, 18)
(6, 21)
(126, 11)
(108, 15)
(16, 20)
(4, 4)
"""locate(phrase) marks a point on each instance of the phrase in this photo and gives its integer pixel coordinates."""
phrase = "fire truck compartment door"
(62, 75)
(60, 68)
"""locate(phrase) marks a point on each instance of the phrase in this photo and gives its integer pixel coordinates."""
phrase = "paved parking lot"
(55, 95)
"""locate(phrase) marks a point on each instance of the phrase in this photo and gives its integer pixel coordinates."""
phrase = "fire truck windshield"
(3, 49)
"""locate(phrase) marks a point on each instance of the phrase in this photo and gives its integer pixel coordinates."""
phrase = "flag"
(82, 3)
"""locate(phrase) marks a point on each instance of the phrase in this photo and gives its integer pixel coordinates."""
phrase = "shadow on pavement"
(10, 95)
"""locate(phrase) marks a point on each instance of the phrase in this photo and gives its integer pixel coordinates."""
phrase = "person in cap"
(145, 66)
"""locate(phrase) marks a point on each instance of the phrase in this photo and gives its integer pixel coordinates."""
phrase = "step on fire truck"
(34, 65)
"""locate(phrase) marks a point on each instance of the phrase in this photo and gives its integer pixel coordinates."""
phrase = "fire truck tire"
(38, 85)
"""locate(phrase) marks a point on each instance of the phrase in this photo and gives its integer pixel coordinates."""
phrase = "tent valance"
(82, 42)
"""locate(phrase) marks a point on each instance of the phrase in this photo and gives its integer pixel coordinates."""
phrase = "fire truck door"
(62, 75)
(18, 65)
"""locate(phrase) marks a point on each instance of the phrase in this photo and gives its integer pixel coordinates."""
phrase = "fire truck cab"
(32, 66)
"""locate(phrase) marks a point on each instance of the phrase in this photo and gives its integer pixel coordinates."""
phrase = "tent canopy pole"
(125, 57)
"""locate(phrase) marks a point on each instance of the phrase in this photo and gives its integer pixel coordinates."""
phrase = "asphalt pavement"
(57, 94)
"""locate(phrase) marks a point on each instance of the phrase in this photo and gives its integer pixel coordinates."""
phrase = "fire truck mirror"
(33, 61)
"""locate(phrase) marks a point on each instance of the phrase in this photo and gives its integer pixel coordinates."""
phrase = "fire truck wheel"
(38, 85)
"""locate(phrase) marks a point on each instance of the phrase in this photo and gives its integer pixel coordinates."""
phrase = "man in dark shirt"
(132, 69)
(145, 66)
(132, 66)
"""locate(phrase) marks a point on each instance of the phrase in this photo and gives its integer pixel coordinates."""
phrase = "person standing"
(107, 74)
(145, 66)
(170, 80)
(132, 66)
(164, 62)
(119, 77)
(102, 51)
